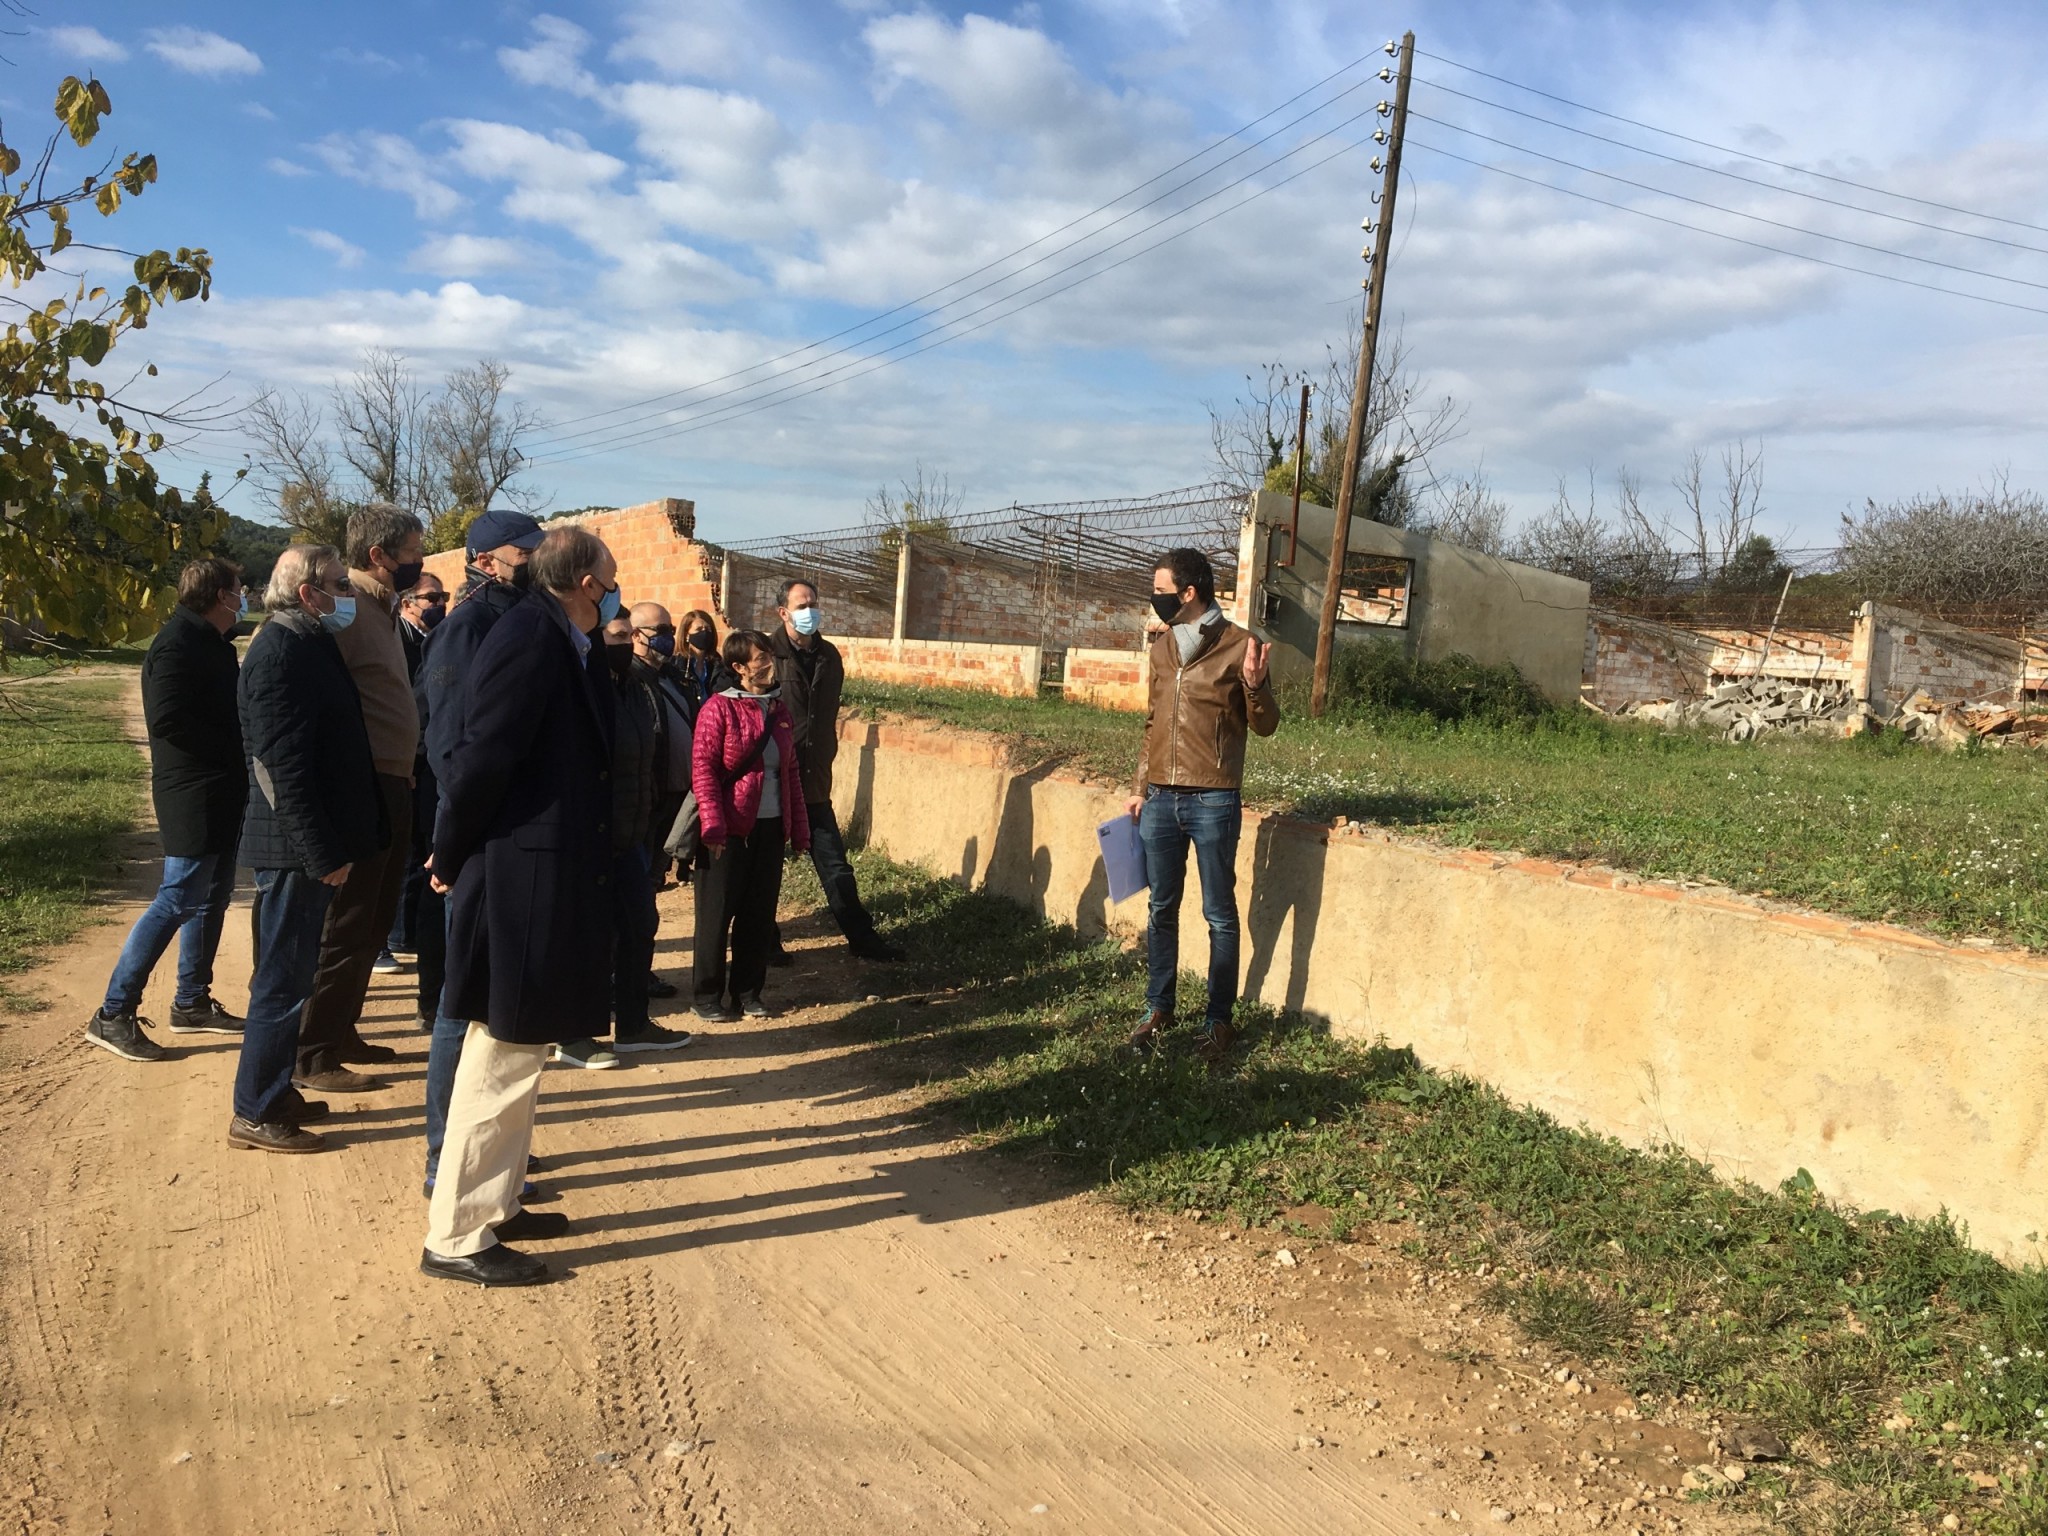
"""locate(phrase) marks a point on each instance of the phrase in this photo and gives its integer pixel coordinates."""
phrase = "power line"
(1715, 170)
(822, 382)
(1740, 154)
(1020, 250)
(1757, 245)
(1797, 229)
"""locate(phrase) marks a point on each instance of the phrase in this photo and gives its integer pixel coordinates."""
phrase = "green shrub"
(1376, 678)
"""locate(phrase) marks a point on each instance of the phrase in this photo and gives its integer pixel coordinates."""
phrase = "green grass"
(70, 786)
(1875, 829)
(1774, 1305)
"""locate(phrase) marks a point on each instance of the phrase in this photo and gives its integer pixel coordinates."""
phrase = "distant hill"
(254, 547)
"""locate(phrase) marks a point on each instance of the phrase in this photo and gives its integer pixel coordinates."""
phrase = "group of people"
(502, 781)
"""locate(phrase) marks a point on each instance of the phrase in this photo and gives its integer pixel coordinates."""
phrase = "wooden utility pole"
(1361, 392)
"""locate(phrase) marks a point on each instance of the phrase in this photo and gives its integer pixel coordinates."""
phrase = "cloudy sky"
(647, 208)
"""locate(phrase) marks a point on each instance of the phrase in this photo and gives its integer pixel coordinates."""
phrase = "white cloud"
(554, 58)
(202, 53)
(86, 43)
(706, 40)
(460, 255)
(391, 162)
(277, 165)
(344, 252)
(260, 112)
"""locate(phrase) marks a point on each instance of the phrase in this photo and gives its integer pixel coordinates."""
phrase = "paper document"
(1123, 857)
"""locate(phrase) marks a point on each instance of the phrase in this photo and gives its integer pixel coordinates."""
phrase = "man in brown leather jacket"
(1209, 685)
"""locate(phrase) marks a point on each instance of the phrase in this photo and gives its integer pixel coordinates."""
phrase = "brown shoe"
(272, 1136)
(362, 1053)
(1214, 1043)
(1146, 1036)
(340, 1080)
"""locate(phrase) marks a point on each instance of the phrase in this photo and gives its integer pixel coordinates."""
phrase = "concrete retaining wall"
(1108, 679)
(1903, 1073)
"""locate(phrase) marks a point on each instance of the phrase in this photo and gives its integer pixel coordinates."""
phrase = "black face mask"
(407, 576)
(522, 578)
(431, 615)
(620, 659)
(703, 642)
(1166, 605)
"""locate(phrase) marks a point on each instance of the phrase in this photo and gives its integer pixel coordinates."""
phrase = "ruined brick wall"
(1108, 679)
(659, 558)
(1795, 655)
(1632, 660)
(971, 595)
(1004, 669)
(753, 585)
(1898, 653)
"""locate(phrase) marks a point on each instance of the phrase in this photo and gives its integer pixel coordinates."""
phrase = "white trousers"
(490, 1132)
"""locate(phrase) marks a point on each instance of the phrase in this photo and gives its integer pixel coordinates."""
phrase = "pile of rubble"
(1753, 707)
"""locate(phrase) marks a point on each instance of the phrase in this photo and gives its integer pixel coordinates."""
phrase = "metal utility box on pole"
(1361, 393)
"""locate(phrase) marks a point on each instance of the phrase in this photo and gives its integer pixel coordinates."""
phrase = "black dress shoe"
(272, 1136)
(532, 1224)
(306, 1109)
(656, 987)
(493, 1266)
(363, 1053)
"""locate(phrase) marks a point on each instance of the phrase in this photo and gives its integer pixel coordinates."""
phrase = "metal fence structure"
(1073, 553)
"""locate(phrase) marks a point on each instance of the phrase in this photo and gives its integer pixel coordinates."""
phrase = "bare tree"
(383, 419)
(925, 504)
(1627, 557)
(1988, 546)
(293, 467)
(1252, 437)
(474, 434)
(1465, 511)
(1723, 524)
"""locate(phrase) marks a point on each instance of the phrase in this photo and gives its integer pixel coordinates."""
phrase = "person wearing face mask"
(669, 830)
(750, 800)
(384, 557)
(199, 785)
(639, 746)
(697, 664)
(500, 546)
(421, 608)
(314, 812)
(1209, 687)
(809, 670)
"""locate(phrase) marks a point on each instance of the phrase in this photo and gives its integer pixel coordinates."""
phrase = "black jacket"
(197, 774)
(638, 741)
(313, 798)
(700, 677)
(524, 834)
(811, 681)
(440, 688)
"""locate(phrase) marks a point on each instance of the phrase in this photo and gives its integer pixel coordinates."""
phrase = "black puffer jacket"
(636, 735)
(313, 798)
(198, 777)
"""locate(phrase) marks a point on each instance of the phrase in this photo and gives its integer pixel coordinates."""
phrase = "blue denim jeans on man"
(292, 908)
(192, 904)
(1210, 820)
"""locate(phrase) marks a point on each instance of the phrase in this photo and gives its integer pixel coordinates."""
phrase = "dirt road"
(791, 1310)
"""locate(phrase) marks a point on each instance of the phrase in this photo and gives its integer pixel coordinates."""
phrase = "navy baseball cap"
(497, 528)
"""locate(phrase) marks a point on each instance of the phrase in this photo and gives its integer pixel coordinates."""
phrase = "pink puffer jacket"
(728, 730)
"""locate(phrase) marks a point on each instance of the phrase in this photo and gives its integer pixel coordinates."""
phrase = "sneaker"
(1146, 1036)
(385, 963)
(717, 1013)
(493, 1266)
(123, 1035)
(585, 1053)
(652, 1038)
(205, 1017)
(754, 1008)
(272, 1136)
(657, 987)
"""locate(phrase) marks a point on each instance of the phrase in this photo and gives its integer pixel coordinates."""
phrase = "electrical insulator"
(1365, 253)
(1379, 135)
(1386, 74)
(1391, 49)
(1376, 163)
(1384, 108)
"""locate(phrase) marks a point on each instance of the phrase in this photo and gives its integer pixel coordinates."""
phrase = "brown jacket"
(376, 660)
(1196, 715)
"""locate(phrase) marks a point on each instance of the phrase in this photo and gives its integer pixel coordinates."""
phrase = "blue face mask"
(608, 607)
(662, 645)
(344, 615)
(242, 606)
(804, 620)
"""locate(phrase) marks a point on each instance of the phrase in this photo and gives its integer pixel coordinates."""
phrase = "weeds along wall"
(1903, 1073)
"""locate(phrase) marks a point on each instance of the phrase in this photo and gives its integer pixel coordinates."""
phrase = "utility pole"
(1361, 393)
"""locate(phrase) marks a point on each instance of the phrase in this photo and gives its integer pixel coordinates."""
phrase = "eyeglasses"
(655, 629)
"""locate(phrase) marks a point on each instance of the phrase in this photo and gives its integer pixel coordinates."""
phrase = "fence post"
(902, 618)
(725, 589)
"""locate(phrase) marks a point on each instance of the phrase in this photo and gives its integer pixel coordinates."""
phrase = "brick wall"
(1004, 669)
(754, 585)
(958, 593)
(1632, 661)
(659, 560)
(1898, 653)
(1108, 679)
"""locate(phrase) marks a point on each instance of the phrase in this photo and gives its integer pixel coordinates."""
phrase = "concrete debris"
(1752, 707)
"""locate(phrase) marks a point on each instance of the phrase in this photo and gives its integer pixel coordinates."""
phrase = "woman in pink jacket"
(750, 803)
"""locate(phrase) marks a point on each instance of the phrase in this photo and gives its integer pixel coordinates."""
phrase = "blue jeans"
(292, 908)
(1171, 820)
(444, 1055)
(192, 902)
